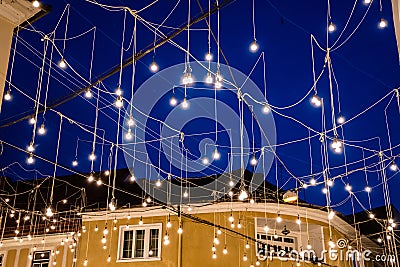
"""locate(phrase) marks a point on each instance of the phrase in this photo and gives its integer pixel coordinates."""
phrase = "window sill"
(139, 259)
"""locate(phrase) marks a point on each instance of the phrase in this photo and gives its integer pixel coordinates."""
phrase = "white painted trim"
(65, 253)
(4, 253)
(16, 261)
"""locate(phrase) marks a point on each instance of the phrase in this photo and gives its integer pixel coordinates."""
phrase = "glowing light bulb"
(348, 187)
(90, 178)
(266, 109)
(119, 102)
(253, 161)
(154, 67)
(30, 159)
(209, 79)
(243, 195)
(185, 104)
(187, 78)
(331, 244)
(309, 246)
(329, 183)
(225, 251)
(393, 166)
(112, 205)
(216, 154)
(29, 256)
(279, 218)
(205, 161)
(218, 84)
(148, 199)
(30, 148)
(180, 230)
(368, 189)
(88, 94)
(379, 240)
(185, 194)
(230, 193)
(258, 263)
(252, 201)
(371, 215)
(128, 135)
(169, 224)
(336, 145)
(32, 120)
(41, 129)
(239, 225)
(95, 229)
(49, 212)
(254, 46)
(367, 2)
(305, 186)
(173, 101)
(7, 96)
(166, 241)
(208, 56)
(92, 156)
(316, 101)
(298, 221)
(219, 231)
(99, 182)
(382, 23)
(313, 181)
(85, 262)
(131, 121)
(106, 173)
(62, 64)
(141, 220)
(393, 225)
(244, 257)
(216, 240)
(109, 258)
(247, 246)
(231, 219)
(103, 240)
(266, 228)
(118, 91)
(132, 178)
(158, 183)
(341, 119)
(331, 27)
(331, 215)
(36, 3)
(391, 221)
(231, 183)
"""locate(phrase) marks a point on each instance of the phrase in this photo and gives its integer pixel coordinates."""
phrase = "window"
(275, 243)
(1, 260)
(140, 242)
(41, 258)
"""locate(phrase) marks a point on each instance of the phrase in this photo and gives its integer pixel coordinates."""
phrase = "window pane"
(139, 244)
(127, 245)
(153, 243)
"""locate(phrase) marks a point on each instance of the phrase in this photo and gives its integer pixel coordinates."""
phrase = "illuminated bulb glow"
(99, 182)
(154, 67)
(331, 244)
(205, 161)
(88, 94)
(253, 161)
(30, 148)
(252, 201)
(7, 96)
(298, 221)
(118, 91)
(231, 219)
(132, 178)
(42, 130)
(214, 256)
(230, 193)
(243, 195)
(180, 230)
(90, 178)
(245, 258)
(107, 173)
(30, 159)
(32, 120)
(209, 78)
(62, 64)
(278, 219)
(128, 135)
(368, 189)
(341, 119)
(131, 121)
(92, 156)
(371, 215)
(348, 187)
(331, 215)
(254, 46)
(393, 166)
(185, 194)
(158, 183)
(36, 3)
(208, 57)
(382, 23)
(173, 101)
(331, 27)
(119, 102)
(316, 101)
(329, 183)
(185, 104)
(231, 183)
(367, 2)
(391, 221)
(225, 251)
(379, 240)
(266, 228)
(309, 246)
(49, 212)
(239, 226)
(266, 109)
(216, 154)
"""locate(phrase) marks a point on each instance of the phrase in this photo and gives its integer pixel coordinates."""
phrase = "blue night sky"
(365, 66)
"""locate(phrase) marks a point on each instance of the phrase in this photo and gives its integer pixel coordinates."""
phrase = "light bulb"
(158, 183)
(208, 56)
(243, 195)
(253, 161)
(225, 251)
(92, 156)
(30, 159)
(382, 23)
(244, 257)
(154, 67)
(266, 228)
(109, 258)
(105, 231)
(368, 189)
(185, 194)
(187, 78)
(119, 102)
(216, 154)
(106, 173)
(331, 215)
(331, 27)
(309, 246)
(148, 199)
(341, 119)
(305, 186)
(371, 215)
(214, 256)
(132, 178)
(103, 240)
(266, 109)
(41, 129)
(231, 219)
(252, 201)
(30, 148)
(49, 212)
(313, 181)
(85, 262)
(247, 246)
(258, 263)
(390, 228)
(231, 183)
(218, 84)
(239, 226)
(348, 187)
(367, 2)
(131, 121)
(88, 94)
(329, 183)
(173, 101)
(393, 166)
(279, 218)
(95, 229)
(166, 241)
(75, 163)
(205, 161)
(32, 120)
(393, 225)
(180, 230)
(29, 256)
(90, 178)
(118, 91)
(36, 3)
(99, 182)
(379, 240)
(254, 46)
(112, 205)
(298, 221)
(230, 193)
(209, 78)
(216, 240)
(185, 104)
(336, 143)
(316, 101)
(219, 231)
(391, 221)
(128, 135)
(331, 244)
(7, 96)
(141, 221)
(62, 64)
(325, 190)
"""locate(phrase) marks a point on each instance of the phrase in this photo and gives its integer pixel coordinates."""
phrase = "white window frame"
(3, 262)
(147, 228)
(41, 251)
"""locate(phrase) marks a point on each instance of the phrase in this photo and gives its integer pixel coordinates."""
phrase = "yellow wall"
(196, 243)
(11, 258)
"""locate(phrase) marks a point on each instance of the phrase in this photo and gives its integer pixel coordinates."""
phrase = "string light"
(96, 228)
(209, 78)
(393, 166)
(367, 2)
(49, 212)
(36, 3)
(103, 240)
(382, 23)
(331, 215)
(279, 218)
(90, 178)
(258, 263)
(331, 27)
(132, 178)
(214, 256)
(62, 64)
(180, 230)
(118, 91)
(379, 240)
(309, 246)
(107, 173)
(158, 183)
(216, 240)
(32, 120)
(30, 159)
(112, 205)
(141, 220)
(298, 221)
(119, 102)
(128, 135)
(131, 121)
(187, 76)
(225, 250)
(7, 95)
(30, 148)
(316, 101)
(244, 257)
(205, 161)
(231, 183)
(42, 129)
(218, 80)
(266, 109)
(216, 155)
(185, 194)
(330, 182)
(231, 219)
(239, 225)
(348, 187)
(253, 161)
(88, 93)
(266, 228)
(331, 244)
(337, 145)
(391, 221)
(371, 215)
(254, 46)
(154, 67)
(368, 189)
(219, 231)
(243, 195)
(185, 104)
(247, 246)
(252, 201)
(341, 119)
(208, 57)
(148, 199)
(173, 101)
(99, 182)
(92, 156)
(109, 258)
